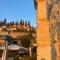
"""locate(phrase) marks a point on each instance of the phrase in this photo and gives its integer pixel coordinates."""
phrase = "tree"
(12, 23)
(1, 24)
(25, 23)
(16, 23)
(28, 23)
(21, 22)
(4, 22)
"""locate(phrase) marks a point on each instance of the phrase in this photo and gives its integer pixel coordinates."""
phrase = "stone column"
(42, 34)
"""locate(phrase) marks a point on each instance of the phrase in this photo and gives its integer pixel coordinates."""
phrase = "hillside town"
(21, 34)
(19, 40)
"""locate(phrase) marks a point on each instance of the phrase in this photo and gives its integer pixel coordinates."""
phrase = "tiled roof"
(1, 40)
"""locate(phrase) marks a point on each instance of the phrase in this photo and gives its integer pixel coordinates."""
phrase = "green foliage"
(28, 23)
(5, 20)
(16, 23)
(21, 22)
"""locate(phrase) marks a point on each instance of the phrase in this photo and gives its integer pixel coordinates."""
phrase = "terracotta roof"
(1, 40)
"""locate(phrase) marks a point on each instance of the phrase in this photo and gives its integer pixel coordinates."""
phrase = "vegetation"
(25, 37)
(5, 23)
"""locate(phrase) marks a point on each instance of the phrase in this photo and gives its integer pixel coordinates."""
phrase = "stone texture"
(48, 29)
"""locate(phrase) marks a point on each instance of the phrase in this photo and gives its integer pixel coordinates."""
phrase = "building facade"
(47, 33)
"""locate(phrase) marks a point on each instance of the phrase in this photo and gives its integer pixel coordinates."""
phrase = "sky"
(18, 9)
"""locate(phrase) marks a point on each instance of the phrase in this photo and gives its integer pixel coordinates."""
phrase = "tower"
(42, 33)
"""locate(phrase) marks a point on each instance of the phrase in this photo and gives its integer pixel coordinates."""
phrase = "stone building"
(48, 29)
(22, 34)
(19, 31)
